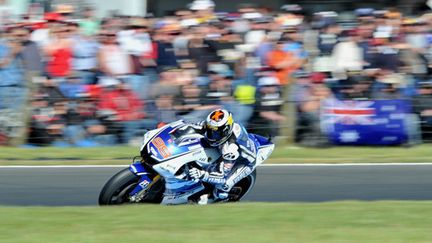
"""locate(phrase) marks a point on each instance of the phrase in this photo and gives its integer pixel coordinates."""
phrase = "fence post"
(24, 112)
(287, 130)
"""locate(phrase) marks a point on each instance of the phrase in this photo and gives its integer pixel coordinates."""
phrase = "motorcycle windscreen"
(164, 147)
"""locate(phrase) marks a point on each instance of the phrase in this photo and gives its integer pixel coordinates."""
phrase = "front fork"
(144, 183)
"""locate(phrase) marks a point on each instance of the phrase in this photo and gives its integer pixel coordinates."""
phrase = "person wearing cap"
(417, 37)
(204, 10)
(364, 14)
(327, 38)
(258, 27)
(44, 36)
(365, 32)
(389, 85)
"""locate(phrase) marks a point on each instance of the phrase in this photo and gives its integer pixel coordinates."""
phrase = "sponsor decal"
(161, 147)
(144, 183)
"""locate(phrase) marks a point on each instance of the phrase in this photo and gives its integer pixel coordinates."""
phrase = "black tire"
(246, 184)
(117, 188)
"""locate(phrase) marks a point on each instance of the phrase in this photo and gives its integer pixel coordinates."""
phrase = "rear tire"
(246, 184)
(116, 190)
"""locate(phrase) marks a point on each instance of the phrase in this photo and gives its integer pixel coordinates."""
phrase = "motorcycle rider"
(238, 152)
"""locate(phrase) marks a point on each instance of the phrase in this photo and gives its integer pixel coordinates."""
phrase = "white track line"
(263, 165)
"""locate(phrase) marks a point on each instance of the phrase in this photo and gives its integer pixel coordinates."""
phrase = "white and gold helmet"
(219, 125)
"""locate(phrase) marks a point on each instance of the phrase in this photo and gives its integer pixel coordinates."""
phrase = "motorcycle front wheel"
(116, 190)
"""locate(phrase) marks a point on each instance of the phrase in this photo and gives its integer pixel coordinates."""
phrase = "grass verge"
(282, 154)
(385, 221)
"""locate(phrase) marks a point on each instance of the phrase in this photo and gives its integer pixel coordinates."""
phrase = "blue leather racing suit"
(238, 155)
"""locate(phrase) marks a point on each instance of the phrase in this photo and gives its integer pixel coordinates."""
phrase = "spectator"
(199, 50)
(356, 87)
(267, 114)
(327, 39)
(220, 89)
(164, 108)
(124, 105)
(181, 66)
(347, 55)
(169, 79)
(257, 33)
(191, 105)
(44, 35)
(422, 104)
(41, 116)
(31, 56)
(285, 63)
(137, 43)
(12, 82)
(59, 53)
(84, 63)
(83, 128)
(89, 24)
(309, 113)
(113, 61)
(365, 33)
(165, 52)
(389, 85)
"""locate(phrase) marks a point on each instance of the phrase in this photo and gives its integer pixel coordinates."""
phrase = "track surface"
(81, 186)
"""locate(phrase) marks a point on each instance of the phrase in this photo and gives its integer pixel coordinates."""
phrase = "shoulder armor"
(230, 151)
(237, 130)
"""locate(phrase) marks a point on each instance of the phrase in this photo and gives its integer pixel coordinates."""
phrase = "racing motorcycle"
(160, 174)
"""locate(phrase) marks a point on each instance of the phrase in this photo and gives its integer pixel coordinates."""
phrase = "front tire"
(116, 190)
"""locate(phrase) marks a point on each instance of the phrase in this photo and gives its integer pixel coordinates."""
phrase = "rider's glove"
(197, 174)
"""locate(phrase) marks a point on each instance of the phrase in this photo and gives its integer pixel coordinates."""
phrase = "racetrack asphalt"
(49, 186)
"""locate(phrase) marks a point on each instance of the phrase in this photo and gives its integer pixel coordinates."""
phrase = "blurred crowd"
(78, 80)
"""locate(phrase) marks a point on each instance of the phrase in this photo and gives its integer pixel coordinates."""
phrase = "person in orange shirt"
(283, 62)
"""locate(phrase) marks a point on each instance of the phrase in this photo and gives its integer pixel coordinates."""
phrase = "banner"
(379, 122)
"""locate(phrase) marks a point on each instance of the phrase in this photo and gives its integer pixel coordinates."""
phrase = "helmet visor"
(218, 135)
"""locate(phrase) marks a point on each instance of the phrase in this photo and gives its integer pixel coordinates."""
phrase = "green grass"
(282, 154)
(422, 153)
(385, 221)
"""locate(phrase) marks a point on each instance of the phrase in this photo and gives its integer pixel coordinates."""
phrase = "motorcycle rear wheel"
(245, 184)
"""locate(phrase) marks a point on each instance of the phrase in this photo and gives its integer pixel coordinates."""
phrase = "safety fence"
(50, 120)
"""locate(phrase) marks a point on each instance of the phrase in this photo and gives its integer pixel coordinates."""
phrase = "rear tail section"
(265, 148)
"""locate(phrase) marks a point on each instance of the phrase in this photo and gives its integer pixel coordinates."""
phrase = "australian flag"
(376, 122)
